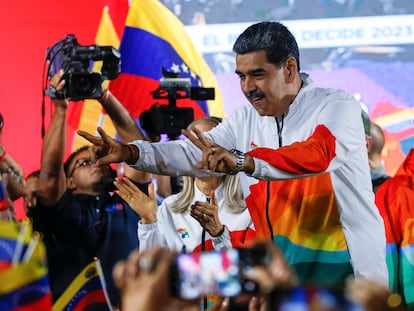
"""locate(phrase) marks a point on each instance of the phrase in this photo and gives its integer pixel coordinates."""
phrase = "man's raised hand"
(107, 149)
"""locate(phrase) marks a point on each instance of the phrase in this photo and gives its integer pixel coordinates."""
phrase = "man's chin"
(261, 112)
(105, 184)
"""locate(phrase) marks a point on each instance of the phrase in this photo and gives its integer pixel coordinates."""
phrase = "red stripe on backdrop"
(128, 87)
(43, 303)
(27, 29)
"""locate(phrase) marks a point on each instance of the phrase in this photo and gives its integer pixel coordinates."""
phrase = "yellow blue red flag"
(154, 38)
(24, 281)
(87, 290)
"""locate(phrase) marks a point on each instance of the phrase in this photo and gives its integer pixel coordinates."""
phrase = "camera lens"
(85, 85)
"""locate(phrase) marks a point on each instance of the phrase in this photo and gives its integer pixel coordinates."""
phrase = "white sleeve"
(150, 236)
(169, 158)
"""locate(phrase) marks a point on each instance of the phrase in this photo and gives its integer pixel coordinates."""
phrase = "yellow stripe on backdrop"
(92, 115)
(156, 18)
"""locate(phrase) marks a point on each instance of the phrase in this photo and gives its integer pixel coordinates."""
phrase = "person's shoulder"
(166, 207)
(390, 185)
(67, 197)
(245, 113)
(169, 200)
(327, 92)
(335, 94)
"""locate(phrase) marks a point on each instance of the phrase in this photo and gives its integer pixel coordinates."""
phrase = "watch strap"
(239, 161)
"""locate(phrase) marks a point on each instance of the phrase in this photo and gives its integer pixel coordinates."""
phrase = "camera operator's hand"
(215, 157)
(207, 215)
(109, 149)
(55, 88)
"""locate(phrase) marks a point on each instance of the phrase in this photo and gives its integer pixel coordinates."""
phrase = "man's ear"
(368, 140)
(70, 183)
(291, 68)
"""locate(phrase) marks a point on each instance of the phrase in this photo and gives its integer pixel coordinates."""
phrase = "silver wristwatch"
(239, 161)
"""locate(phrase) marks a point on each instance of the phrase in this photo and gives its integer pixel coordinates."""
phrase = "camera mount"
(169, 119)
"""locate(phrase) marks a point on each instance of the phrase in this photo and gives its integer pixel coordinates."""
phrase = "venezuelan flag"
(24, 285)
(14, 237)
(154, 38)
(86, 291)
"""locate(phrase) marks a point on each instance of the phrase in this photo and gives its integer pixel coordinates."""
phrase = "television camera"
(76, 60)
(169, 119)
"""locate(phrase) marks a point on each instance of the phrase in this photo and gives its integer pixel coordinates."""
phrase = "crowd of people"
(290, 174)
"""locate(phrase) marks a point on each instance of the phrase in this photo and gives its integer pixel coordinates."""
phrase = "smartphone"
(199, 274)
(312, 298)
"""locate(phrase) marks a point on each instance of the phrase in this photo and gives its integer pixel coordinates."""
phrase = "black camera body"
(169, 119)
(163, 119)
(76, 61)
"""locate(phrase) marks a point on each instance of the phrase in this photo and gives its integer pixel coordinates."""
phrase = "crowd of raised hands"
(144, 280)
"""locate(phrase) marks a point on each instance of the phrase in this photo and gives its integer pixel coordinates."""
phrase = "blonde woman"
(209, 213)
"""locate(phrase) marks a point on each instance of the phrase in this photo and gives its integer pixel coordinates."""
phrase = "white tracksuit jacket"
(319, 200)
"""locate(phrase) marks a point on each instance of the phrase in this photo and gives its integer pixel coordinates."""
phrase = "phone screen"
(312, 299)
(207, 273)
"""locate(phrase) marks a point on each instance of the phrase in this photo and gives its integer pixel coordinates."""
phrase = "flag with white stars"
(86, 292)
(154, 38)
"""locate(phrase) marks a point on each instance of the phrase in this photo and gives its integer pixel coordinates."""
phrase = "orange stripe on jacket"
(310, 156)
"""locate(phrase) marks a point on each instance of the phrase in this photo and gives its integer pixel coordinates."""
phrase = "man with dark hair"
(76, 208)
(302, 156)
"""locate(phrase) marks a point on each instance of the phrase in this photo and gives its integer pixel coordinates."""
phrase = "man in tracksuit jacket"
(302, 152)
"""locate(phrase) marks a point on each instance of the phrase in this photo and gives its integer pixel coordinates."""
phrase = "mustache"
(254, 94)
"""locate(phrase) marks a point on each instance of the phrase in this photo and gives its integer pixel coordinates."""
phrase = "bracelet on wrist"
(240, 156)
(105, 96)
